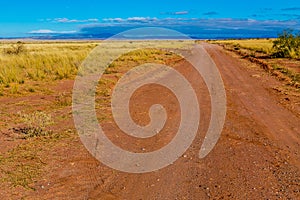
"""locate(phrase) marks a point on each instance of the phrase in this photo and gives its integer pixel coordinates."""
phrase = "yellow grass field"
(251, 44)
(46, 61)
(39, 61)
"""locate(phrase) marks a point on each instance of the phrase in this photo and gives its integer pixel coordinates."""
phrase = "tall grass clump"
(36, 124)
(10, 75)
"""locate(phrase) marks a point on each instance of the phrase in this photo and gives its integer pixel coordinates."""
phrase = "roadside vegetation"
(279, 56)
(27, 68)
(287, 45)
(23, 62)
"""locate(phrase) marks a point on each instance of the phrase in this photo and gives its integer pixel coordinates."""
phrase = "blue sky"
(32, 17)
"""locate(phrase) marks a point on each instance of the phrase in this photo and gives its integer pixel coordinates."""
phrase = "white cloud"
(130, 19)
(181, 13)
(66, 20)
(47, 31)
(43, 31)
(141, 19)
(113, 20)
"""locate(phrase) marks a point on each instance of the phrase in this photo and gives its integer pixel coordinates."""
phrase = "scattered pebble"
(256, 76)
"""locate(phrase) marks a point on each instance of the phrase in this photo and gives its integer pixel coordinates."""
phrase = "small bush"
(287, 45)
(15, 49)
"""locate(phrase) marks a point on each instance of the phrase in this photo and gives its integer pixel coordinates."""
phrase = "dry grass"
(41, 62)
(258, 45)
(22, 165)
(261, 50)
(46, 61)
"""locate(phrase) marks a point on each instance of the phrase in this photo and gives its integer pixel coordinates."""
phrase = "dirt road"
(257, 156)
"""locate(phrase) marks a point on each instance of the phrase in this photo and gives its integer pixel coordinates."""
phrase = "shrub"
(15, 49)
(287, 45)
(297, 45)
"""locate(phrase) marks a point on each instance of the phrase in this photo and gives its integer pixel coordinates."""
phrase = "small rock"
(256, 76)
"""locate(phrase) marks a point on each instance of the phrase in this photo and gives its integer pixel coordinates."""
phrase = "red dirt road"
(257, 156)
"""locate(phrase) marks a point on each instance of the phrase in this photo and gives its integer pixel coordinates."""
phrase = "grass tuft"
(36, 124)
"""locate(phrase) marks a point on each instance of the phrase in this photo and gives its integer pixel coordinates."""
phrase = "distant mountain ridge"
(96, 33)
